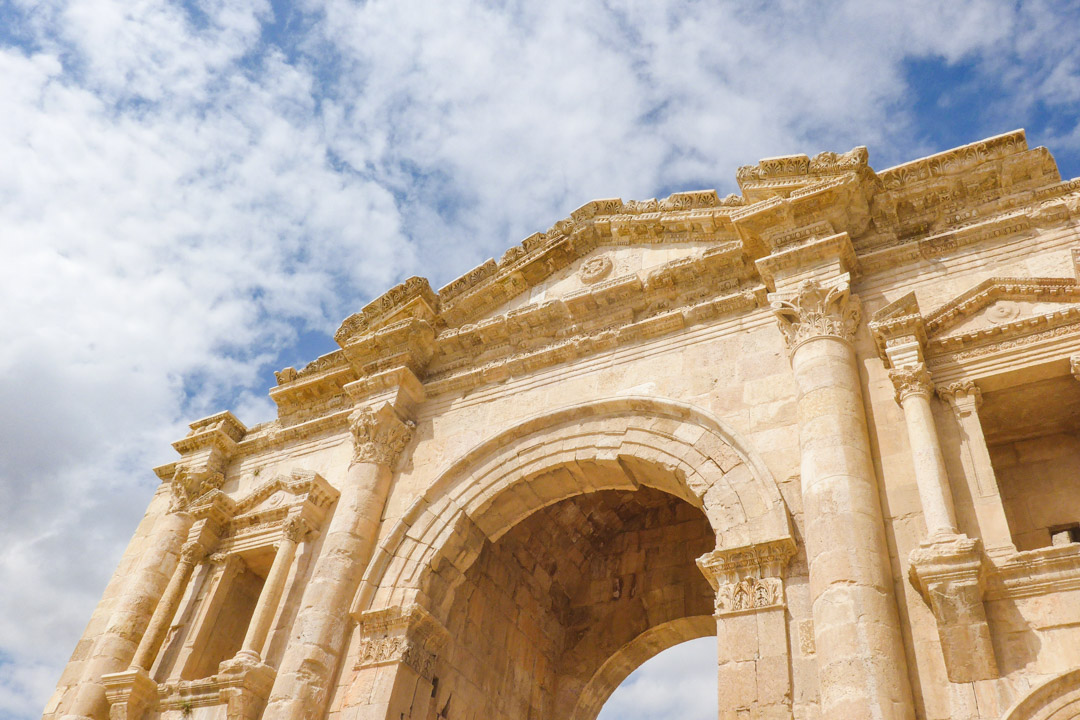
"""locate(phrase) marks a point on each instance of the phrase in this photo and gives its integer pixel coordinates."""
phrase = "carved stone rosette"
(748, 578)
(407, 635)
(911, 380)
(814, 310)
(379, 434)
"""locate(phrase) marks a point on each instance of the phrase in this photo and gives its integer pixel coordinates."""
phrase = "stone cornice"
(462, 336)
(1031, 573)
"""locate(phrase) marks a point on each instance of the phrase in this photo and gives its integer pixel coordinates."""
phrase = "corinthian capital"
(962, 396)
(192, 552)
(379, 434)
(911, 380)
(814, 310)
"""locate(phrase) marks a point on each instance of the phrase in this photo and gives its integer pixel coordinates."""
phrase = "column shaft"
(963, 397)
(930, 475)
(302, 687)
(303, 683)
(166, 608)
(116, 646)
(861, 660)
(270, 596)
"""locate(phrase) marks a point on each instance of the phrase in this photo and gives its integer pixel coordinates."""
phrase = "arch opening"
(557, 644)
(678, 682)
(553, 615)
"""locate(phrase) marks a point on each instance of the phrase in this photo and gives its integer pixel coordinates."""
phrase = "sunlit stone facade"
(832, 421)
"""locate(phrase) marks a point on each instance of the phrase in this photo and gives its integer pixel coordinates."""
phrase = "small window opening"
(1065, 534)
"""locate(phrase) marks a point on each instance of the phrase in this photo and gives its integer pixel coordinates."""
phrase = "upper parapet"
(541, 301)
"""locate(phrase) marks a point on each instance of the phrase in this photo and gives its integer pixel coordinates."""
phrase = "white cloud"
(681, 682)
(185, 189)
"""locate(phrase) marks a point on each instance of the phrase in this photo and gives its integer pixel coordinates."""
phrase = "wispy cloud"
(189, 188)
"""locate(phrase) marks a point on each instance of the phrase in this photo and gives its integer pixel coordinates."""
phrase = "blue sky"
(194, 194)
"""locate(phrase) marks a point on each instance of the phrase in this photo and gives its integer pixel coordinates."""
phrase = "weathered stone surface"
(832, 421)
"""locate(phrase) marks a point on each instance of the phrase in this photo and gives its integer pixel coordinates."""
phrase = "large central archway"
(588, 519)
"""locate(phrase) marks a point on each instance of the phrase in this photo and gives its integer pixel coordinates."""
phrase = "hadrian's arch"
(833, 419)
(656, 479)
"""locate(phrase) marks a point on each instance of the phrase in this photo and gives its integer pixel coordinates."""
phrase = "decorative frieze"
(748, 578)
(407, 635)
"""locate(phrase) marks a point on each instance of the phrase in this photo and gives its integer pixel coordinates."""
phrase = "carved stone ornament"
(748, 578)
(911, 380)
(407, 635)
(595, 269)
(750, 594)
(958, 392)
(379, 435)
(186, 487)
(294, 529)
(816, 311)
(192, 552)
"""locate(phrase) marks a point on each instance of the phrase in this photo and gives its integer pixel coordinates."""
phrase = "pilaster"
(751, 628)
(964, 398)
(395, 666)
(946, 567)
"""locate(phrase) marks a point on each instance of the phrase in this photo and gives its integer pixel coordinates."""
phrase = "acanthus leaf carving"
(911, 380)
(408, 635)
(186, 487)
(749, 577)
(815, 310)
(379, 435)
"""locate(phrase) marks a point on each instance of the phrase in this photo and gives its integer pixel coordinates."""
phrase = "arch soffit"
(619, 443)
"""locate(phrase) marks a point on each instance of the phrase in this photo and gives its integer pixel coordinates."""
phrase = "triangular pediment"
(283, 491)
(997, 304)
(605, 264)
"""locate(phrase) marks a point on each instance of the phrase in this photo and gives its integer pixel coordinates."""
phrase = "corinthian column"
(302, 687)
(913, 391)
(151, 641)
(270, 597)
(861, 663)
(116, 646)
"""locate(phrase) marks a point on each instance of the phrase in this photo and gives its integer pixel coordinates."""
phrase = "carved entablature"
(204, 453)
(898, 325)
(750, 577)
(408, 635)
(781, 176)
(571, 291)
(411, 299)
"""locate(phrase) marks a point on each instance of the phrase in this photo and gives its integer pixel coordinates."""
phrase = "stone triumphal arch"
(833, 421)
